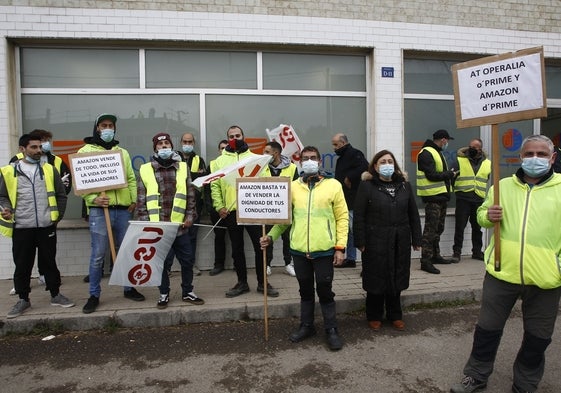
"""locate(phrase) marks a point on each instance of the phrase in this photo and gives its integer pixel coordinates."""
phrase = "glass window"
(551, 126)
(286, 71)
(315, 120)
(204, 69)
(511, 136)
(79, 68)
(428, 76)
(71, 118)
(422, 119)
(553, 81)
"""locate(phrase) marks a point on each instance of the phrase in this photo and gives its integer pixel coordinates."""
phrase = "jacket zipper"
(523, 235)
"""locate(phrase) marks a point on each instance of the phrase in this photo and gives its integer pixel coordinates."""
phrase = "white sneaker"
(12, 291)
(41, 280)
(269, 270)
(290, 269)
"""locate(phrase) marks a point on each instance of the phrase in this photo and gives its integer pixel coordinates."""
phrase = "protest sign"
(263, 200)
(97, 171)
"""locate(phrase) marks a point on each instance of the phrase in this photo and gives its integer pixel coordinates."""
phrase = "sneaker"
(271, 292)
(193, 299)
(456, 257)
(238, 289)
(62, 301)
(90, 305)
(428, 267)
(347, 263)
(41, 280)
(12, 291)
(133, 294)
(468, 385)
(18, 309)
(269, 270)
(290, 270)
(164, 300)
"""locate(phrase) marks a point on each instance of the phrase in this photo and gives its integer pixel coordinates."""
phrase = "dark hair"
(26, 138)
(397, 174)
(43, 134)
(275, 146)
(234, 126)
(221, 142)
(311, 148)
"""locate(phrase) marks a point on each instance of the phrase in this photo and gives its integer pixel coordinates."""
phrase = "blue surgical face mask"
(445, 146)
(165, 153)
(46, 147)
(386, 170)
(107, 135)
(187, 148)
(32, 160)
(310, 167)
(535, 166)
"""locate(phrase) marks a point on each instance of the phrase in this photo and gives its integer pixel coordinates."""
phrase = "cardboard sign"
(502, 88)
(97, 171)
(264, 200)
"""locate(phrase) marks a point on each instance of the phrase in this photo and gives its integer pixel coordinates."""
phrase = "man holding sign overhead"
(120, 202)
(165, 193)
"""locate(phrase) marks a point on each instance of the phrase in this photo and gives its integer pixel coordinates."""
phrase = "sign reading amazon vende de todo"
(97, 171)
(263, 200)
(501, 88)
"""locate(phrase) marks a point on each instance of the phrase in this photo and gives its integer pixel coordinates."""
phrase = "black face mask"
(472, 153)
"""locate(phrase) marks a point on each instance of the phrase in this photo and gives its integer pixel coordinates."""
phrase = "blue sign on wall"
(387, 72)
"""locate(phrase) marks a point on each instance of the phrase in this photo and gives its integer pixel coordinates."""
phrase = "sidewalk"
(456, 282)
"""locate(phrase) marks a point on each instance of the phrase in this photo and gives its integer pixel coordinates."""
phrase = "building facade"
(378, 71)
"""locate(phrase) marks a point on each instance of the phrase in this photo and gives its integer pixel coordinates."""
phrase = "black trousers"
(25, 242)
(235, 232)
(375, 303)
(320, 269)
(467, 210)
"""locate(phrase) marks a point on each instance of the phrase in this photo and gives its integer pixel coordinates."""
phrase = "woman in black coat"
(386, 225)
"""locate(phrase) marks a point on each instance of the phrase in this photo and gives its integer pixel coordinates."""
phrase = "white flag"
(140, 260)
(250, 166)
(286, 136)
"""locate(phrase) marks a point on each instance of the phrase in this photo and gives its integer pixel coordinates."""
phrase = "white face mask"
(310, 167)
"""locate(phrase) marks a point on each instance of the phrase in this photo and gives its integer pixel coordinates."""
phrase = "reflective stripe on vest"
(425, 187)
(11, 179)
(468, 181)
(152, 193)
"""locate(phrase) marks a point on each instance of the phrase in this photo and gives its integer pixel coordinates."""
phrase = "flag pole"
(266, 314)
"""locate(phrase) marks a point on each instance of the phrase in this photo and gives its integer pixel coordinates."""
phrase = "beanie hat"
(161, 136)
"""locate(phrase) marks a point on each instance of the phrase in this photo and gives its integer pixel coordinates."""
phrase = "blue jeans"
(351, 250)
(119, 219)
(181, 248)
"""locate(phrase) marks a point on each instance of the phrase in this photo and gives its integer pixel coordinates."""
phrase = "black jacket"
(386, 226)
(351, 163)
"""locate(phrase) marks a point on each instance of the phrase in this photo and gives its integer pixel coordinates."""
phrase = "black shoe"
(334, 342)
(440, 261)
(479, 256)
(347, 263)
(238, 289)
(91, 305)
(429, 268)
(133, 294)
(303, 332)
(271, 292)
(87, 278)
(516, 389)
(456, 257)
(216, 270)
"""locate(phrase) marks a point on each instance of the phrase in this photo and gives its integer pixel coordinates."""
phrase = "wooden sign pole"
(496, 195)
(109, 230)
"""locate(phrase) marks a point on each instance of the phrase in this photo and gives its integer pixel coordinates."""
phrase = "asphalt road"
(234, 357)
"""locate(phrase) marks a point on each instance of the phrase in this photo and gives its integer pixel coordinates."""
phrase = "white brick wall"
(495, 30)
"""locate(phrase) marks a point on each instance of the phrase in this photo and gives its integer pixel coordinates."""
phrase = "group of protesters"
(366, 206)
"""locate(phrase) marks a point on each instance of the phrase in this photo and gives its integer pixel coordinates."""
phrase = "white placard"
(97, 171)
(264, 200)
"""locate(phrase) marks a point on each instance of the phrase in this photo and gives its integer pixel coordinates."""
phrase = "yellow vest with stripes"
(11, 180)
(425, 187)
(152, 193)
(469, 181)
